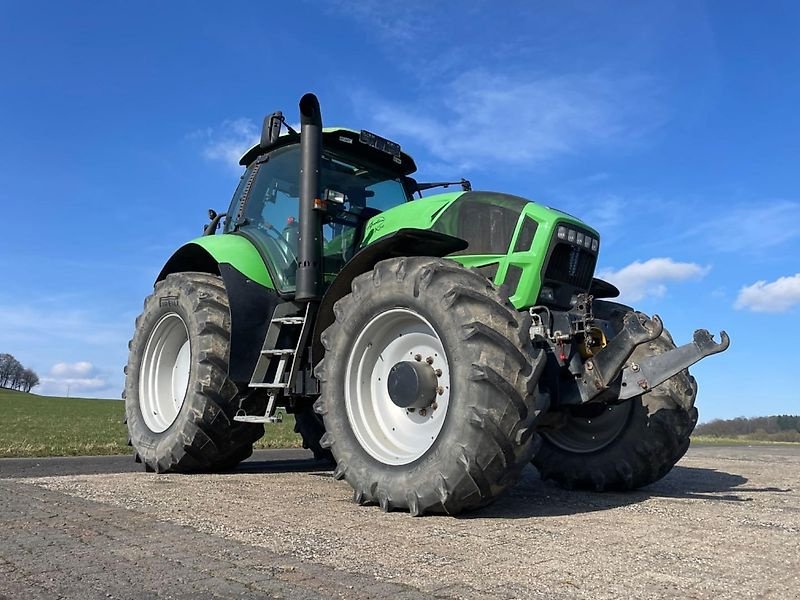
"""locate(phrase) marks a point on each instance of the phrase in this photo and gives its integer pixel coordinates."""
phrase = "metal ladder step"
(257, 419)
(278, 352)
(268, 384)
(289, 320)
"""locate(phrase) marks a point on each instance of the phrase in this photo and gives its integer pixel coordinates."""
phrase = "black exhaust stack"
(309, 244)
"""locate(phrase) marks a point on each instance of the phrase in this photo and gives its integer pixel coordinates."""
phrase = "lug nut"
(429, 360)
(440, 390)
(438, 372)
(634, 367)
(422, 412)
(434, 406)
(417, 357)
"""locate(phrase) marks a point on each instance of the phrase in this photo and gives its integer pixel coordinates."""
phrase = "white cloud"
(773, 297)
(80, 378)
(487, 118)
(78, 369)
(228, 141)
(649, 278)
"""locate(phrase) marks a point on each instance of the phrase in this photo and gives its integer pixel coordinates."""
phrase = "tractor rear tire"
(637, 442)
(179, 400)
(470, 445)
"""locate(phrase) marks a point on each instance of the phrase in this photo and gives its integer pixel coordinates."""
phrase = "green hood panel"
(238, 252)
(417, 214)
(512, 257)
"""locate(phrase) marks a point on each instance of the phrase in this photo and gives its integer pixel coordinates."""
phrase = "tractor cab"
(361, 175)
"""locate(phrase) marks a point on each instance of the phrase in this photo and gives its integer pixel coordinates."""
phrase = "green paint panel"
(237, 252)
(424, 213)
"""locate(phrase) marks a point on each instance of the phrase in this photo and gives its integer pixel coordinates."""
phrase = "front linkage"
(596, 353)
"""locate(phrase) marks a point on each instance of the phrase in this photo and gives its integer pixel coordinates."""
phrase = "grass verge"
(707, 440)
(32, 425)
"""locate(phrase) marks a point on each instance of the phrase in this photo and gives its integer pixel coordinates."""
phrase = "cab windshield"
(271, 190)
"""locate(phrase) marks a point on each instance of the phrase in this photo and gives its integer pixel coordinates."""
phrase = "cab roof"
(343, 139)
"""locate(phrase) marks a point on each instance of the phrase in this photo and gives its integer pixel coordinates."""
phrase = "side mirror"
(214, 217)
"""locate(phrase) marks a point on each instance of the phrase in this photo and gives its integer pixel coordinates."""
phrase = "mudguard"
(208, 252)
(251, 293)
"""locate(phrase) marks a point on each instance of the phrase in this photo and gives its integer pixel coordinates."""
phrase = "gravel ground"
(725, 523)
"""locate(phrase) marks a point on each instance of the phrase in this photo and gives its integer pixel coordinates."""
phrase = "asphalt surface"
(725, 523)
(274, 460)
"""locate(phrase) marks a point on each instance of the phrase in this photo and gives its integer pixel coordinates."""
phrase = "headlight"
(573, 236)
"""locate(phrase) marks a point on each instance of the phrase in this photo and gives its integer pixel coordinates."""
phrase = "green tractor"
(431, 347)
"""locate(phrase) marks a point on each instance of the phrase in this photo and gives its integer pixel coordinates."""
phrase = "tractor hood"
(456, 213)
(510, 239)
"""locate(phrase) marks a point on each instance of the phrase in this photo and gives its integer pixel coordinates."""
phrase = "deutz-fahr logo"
(377, 223)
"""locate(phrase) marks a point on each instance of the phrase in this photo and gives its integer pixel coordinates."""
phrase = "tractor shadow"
(533, 497)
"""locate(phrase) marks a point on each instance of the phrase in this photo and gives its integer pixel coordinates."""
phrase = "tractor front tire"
(179, 401)
(467, 447)
(624, 446)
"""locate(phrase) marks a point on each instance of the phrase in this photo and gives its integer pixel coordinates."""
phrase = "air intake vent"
(571, 264)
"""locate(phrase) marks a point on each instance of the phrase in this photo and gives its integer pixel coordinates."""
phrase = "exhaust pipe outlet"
(309, 255)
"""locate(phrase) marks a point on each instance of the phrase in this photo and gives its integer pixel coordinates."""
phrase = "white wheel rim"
(164, 374)
(389, 433)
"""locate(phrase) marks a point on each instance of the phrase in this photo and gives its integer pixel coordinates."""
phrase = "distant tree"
(29, 380)
(783, 426)
(10, 370)
(16, 377)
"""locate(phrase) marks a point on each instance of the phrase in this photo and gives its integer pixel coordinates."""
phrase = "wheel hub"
(412, 384)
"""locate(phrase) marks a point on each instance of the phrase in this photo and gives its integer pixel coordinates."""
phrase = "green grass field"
(32, 425)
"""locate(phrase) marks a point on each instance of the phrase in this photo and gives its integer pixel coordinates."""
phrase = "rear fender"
(206, 253)
(251, 294)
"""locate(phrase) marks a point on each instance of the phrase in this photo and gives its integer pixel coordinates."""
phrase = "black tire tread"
(489, 462)
(205, 437)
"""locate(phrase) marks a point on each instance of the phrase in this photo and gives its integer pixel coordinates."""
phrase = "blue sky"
(671, 127)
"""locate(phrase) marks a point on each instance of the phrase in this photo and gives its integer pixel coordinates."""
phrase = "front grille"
(571, 264)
